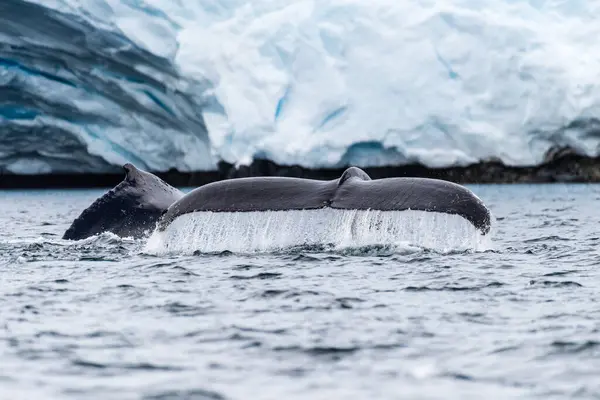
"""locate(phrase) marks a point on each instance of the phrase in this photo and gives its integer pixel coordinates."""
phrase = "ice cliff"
(86, 85)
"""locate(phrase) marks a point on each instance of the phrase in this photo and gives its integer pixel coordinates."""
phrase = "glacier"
(88, 85)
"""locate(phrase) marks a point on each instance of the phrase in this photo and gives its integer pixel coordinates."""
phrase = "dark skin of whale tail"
(134, 206)
(420, 194)
(130, 209)
(354, 190)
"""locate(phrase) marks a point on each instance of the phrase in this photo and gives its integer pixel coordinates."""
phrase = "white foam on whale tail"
(267, 231)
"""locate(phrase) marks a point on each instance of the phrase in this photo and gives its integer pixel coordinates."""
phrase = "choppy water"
(100, 318)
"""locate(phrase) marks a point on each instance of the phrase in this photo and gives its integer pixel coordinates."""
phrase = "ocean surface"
(103, 318)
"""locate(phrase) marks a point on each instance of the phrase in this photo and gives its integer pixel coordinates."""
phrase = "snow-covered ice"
(312, 82)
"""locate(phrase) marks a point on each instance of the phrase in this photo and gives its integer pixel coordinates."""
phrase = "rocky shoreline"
(562, 168)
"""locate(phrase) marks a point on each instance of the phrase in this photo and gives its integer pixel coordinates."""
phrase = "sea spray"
(277, 230)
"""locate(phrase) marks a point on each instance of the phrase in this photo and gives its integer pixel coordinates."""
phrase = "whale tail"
(129, 209)
(354, 190)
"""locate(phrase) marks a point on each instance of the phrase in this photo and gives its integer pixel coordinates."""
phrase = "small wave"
(193, 394)
(246, 267)
(267, 294)
(105, 238)
(289, 294)
(90, 335)
(305, 258)
(183, 271)
(549, 238)
(124, 366)
(562, 315)
(176, 308)
(334, 352)
(100, 240)
(453, 288)
(505, 349)
(571, 347)
(561, 273)
(555, 284)
(103, 247)
(458, 376)
(380, 250)
(259, 330)
(262, 275)
(185, 310)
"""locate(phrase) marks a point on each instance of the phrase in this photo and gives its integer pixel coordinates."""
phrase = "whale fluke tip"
(131, 172)
(354, 172)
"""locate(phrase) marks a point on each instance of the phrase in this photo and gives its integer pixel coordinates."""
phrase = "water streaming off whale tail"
(339, 229)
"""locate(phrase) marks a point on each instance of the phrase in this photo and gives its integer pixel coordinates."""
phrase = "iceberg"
(92, 84)
(78, 95)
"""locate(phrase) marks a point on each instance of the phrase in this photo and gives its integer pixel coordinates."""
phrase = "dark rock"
(561, 165)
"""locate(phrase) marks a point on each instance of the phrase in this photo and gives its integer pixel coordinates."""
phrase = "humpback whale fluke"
(143, 201)
(353, 190)
(129, 209)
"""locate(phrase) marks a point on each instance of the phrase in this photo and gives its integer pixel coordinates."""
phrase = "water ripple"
(100, 318)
